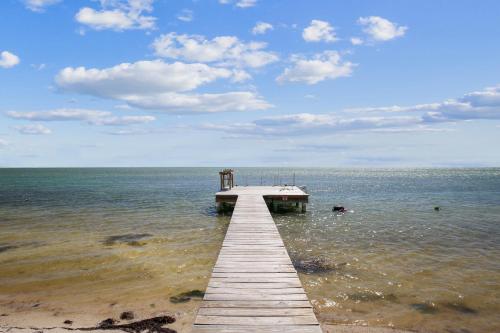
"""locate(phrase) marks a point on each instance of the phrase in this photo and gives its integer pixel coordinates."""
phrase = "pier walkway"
(254, 286)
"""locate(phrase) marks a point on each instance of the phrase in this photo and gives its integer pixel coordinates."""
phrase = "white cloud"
(185, 15)
(246, 3)
(381, 29)
(313, 124)
(323, 66)
(356, 41)
(39, 5)
(319, 31)
(33, 129)
(261, 28)
(483, 104)
(118, 15)
(478, 105)
(139, 78)
(3, 143)
(174, 102)
(487, 97)
(93, 117)
(240, 3)
(222, 50)
(157, 85)
(8, 60)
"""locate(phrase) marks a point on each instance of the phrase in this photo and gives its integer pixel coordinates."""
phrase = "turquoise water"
(74, 239)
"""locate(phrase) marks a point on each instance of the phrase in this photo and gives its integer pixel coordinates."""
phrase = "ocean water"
(94, 240)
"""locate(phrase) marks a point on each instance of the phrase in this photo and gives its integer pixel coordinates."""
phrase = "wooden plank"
(248, 312)
(255, 297)
(255, 321)
(255, 304)
(253, 285)
(256, 329)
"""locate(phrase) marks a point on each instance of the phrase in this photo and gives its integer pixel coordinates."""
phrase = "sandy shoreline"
(44, 321)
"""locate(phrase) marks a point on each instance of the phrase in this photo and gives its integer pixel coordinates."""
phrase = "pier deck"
(254, 286)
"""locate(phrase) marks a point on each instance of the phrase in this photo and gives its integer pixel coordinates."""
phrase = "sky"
(329, 83)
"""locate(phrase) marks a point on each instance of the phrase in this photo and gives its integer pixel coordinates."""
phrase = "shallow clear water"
(74, 239)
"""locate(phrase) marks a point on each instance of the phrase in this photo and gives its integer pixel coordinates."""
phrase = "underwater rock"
(4, 248)
(460, 307)
(186, 296)
(129, 239)
(426, 308)
(151, 325)
(127, 315)
(316, 266)
(372, 297)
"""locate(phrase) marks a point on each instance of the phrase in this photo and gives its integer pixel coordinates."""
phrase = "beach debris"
(186, 296)
(426, 307)
(129, 239)
(68, 322)
(107, 322)
(316, 266)
(151, 325)
(35, 305)
(127, 315)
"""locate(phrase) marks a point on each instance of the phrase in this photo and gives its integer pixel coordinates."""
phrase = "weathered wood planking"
(254, 286)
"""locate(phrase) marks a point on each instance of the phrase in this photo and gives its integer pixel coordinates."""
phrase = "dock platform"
(254, 286)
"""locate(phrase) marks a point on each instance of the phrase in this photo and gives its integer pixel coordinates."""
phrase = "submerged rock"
(186, 296)
(426, 308)
(316, 266)
(4, 248)
(129, 239)
(460, 307)
(372, 297)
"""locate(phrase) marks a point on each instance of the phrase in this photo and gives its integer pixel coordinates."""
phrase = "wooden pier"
(254, 286)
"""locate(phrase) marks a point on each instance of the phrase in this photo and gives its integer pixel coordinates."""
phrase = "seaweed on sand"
(151, 325)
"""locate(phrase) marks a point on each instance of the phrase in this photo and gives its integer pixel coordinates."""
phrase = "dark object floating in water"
(4, 315)
(152, 325)
(35, 305)
(437, 208)
(427, 307)
(340, 209)
(316, 266)
(460, 307)
(4, 248)
(68, 322)
(129, 239)
(186, 296)
(127, 315)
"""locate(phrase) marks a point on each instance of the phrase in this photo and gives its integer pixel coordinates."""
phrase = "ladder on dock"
(254, 286)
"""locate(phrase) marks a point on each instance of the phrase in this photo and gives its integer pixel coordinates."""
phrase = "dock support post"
(304, 207)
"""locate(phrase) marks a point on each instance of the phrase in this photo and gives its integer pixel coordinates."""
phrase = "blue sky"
(249, 83)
